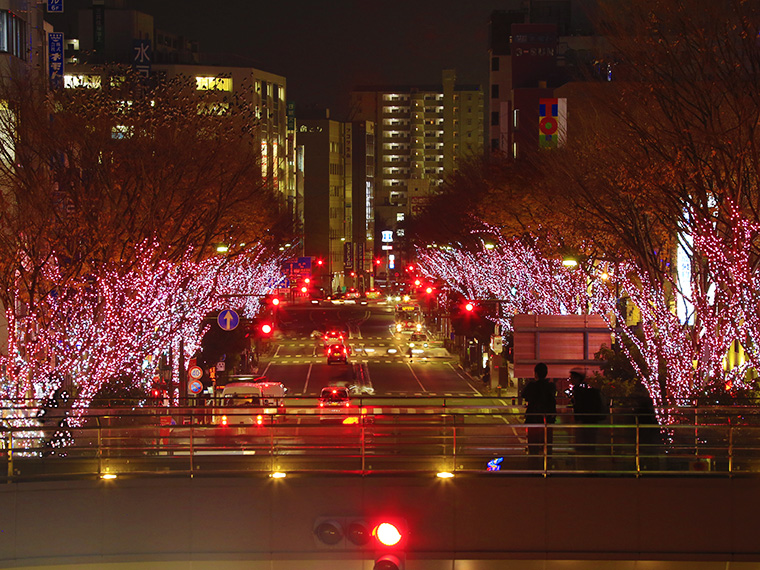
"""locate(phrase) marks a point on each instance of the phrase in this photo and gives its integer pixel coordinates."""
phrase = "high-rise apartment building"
(421, 134)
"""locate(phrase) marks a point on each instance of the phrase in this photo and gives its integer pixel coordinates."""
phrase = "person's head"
(540, 370)
(577, 377)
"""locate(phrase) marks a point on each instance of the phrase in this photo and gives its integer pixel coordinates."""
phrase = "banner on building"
(141, 56)
(552, 123)
(55, 59)
(55, 6)
(348, 256)
(98, 26)
(360, 256)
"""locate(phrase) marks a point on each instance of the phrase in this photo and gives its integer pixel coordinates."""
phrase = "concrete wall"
(472, 523)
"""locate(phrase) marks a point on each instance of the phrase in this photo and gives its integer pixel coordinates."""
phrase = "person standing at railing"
(648, 428)
(589, 410)
(541, 397)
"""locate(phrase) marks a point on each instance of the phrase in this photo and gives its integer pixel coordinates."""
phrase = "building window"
(85, 81)
(494, 64)
(495, 91)
(12, 34)
(494, 144)
(494, 118)
(213, 83)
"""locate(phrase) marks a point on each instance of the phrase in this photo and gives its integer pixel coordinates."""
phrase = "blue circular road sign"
(228, 319)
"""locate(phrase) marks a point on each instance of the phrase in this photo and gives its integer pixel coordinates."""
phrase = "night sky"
(324, 48)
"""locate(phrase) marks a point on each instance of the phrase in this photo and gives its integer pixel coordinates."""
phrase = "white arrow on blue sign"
(228, 319)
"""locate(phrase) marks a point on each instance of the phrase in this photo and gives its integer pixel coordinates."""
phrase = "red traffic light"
(469, 306)
(387, 534)
(377, 261)
(275, 301)
(428, 290)
(266, 328)
(320, 262)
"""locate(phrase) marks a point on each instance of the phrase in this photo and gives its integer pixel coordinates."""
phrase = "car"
(250, 402)
(334, 397)
(418, 339)
(337, 353)
(335, 401)
(333, 336)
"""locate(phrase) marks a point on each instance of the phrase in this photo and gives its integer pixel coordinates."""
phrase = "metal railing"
(478, 438)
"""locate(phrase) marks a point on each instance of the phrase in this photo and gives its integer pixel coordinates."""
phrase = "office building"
(112, 34)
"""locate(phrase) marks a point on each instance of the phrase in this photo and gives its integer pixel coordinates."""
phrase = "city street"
(378, 362)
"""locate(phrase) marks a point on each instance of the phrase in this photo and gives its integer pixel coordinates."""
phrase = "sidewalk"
(498, 391)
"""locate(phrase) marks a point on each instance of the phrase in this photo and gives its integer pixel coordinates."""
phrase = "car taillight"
(321, 404)
(224, 420)
(346, 404)
(259, 420)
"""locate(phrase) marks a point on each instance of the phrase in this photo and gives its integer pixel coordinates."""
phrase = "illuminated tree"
(659, 184)
(113, 202)
(123, 322)
(513, 271)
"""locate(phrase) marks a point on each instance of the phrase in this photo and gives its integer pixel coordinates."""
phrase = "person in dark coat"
(541, 397)
(646, 419)
(588, 410)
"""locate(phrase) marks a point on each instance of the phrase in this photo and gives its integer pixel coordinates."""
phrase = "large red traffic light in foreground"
(469, 306)
(387, 534)
(386, 537)
(266, 328)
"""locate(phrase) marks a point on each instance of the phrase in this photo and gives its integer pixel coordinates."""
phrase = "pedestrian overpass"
(472, 522)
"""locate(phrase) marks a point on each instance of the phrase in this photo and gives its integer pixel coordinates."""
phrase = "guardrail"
(374, 439)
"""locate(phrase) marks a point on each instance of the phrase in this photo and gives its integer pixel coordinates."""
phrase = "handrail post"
(100, 448)
(10, 455)
(454, 440)
(362, 440)
(730, 447)
(546, 447)
(638, 449)
(192, 449)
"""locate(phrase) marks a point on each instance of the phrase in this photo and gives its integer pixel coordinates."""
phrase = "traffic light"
(385, 537)
(469, 306)
(266, 328)
(275, 301)
(320, 262)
